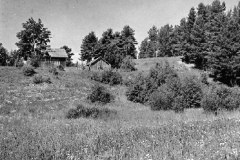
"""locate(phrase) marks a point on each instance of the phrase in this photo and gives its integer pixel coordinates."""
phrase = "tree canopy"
(208, 37)
(112, 46)
(33, 38)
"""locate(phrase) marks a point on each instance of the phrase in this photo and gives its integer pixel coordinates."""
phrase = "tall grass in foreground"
(70, 140)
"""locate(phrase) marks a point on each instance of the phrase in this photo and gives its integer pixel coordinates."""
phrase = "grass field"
(33, 123)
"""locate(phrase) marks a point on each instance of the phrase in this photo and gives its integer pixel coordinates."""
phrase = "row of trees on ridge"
(209, 38)
(112, 46)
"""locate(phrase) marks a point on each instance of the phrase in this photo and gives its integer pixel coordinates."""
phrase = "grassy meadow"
(33, 123)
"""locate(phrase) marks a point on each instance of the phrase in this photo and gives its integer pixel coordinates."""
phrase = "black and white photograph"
(119, 80)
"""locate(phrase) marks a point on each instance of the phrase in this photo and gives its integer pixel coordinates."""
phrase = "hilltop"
(33, 122)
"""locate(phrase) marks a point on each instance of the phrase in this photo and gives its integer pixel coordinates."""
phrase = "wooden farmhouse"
(56, 57)
(98, 64)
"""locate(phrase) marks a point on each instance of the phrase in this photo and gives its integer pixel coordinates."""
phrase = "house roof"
(58, 53)
(96, 60)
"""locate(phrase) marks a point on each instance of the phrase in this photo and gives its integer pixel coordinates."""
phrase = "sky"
(71, 20)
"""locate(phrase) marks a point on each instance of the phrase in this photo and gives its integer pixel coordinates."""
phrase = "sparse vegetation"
(38, 79)
(90, 112)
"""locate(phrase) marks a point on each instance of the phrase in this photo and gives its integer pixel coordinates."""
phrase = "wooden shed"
(56, 57)
(98, 64)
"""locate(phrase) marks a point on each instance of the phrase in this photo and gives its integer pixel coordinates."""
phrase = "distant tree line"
(209, 38)
(112, 46)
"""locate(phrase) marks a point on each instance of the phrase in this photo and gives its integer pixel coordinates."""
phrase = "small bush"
(61, 67)
(115, 78)
(221, 97)
(35, 61)
(128, 64)
(19, 64)
(128, 81)
(54, 71)
(46, 79)
(111, 77)
(38, 79)
(72, 114)
(93, 112)
(138, 91)
(100, 94)
(28, 71)
(107, 77)
(204, 78)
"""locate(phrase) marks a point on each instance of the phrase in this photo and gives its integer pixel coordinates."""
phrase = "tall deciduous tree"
(33, 38)
(88, 46)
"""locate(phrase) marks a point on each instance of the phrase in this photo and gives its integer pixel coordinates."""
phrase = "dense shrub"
(35, 61)
(192, 92)
(163, 98)
(128, 64)
(142, 87)
(128, 81)
(93, 112)
(107, 77)
(177, 95)
(60, 67)
(161, 72)
(115, 78)
(100, 94)
(137, 92)
(221, 97)
(38, 79)
(28, 71)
